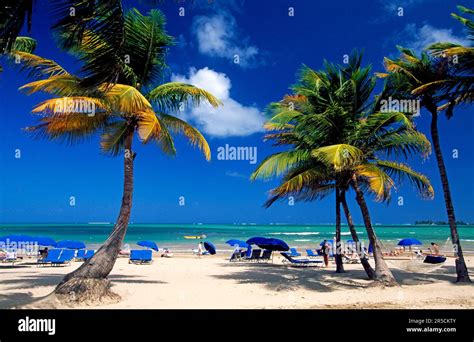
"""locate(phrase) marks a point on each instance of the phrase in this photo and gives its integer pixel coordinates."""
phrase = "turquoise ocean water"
(171, 235)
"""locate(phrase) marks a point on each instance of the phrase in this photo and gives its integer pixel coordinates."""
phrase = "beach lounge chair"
(140, 256)
(310, 254)
(353, 259)
(53, 255)
(301, 262)
(10, 256)
(84, 254)
(58, 257)
(236, 256)
(255, 255)
(266, 256)
(294, 253)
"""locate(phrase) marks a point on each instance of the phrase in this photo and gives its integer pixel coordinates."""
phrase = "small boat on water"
(195, 237)
(434, 259)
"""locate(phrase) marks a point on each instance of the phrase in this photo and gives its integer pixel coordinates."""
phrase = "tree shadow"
(286, 278)
(16, 299)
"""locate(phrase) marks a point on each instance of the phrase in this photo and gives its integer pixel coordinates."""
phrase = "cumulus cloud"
(217, 36)
(418, 38)
(231, 119)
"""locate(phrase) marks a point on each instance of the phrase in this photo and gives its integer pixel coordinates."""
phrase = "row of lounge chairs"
(62, 257)
(310, 254)
(255, 256)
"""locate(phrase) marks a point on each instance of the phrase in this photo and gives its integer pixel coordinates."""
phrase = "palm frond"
(192, 134)
(279, 163)
(113, 139)
(125, 99)
(174, 96)
(340, 156)
(401, 171)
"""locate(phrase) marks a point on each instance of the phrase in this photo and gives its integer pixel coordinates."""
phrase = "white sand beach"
(211, 282)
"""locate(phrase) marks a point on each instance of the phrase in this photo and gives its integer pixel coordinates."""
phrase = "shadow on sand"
(282, 278)
(18, 299)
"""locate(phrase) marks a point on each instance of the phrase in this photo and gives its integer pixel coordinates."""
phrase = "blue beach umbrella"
(148, 244)
(235, 242)
(270, 244)
(210, 247)
(257, 240)
(276, 245)
(409, 242)
(45, 241)
(70, 244)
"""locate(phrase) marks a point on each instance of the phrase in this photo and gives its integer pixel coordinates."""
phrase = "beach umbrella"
(235, 242)
(45, 241)
(148, 244)
(210, 247)
(409, 242)
(270, 244)
(257, 240)
(276, 245)
(70, 244)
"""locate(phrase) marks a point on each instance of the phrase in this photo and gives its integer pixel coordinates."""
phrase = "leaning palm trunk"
(338, 251)
(89, 282)
(363, 258)
(382, 272)
(461, 269)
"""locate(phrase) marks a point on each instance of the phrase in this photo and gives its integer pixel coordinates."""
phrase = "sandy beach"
(212, 282)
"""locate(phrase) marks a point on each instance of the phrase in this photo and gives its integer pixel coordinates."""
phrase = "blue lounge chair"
(301, 262)
(236, 255)
(310, 254)
(140, 256)
(65, 257)
(255, 255)
(57, 257)
(266, 256)
(84, 254)
(294, 253)
(53, 255)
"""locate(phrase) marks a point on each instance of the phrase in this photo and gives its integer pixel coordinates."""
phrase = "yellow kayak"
(195, 237)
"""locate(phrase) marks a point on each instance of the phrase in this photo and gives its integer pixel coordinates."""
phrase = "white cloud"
(419, 38)
(217, 36)
(230, 119)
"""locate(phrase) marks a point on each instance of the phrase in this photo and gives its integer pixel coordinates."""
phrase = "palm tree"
(75, 19)
(460, 86)
(123, 111)
(418, 78)
(335, 140)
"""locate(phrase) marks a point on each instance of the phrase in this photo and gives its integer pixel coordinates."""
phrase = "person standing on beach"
(200, 249)
(325, 252)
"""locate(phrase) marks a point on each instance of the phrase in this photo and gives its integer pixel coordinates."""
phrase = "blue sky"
(271, 46)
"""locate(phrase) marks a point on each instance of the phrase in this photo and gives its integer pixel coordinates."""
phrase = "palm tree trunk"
(338, 251)
(461, 269)
(89, 282)
(363, 258)
(382, 272)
